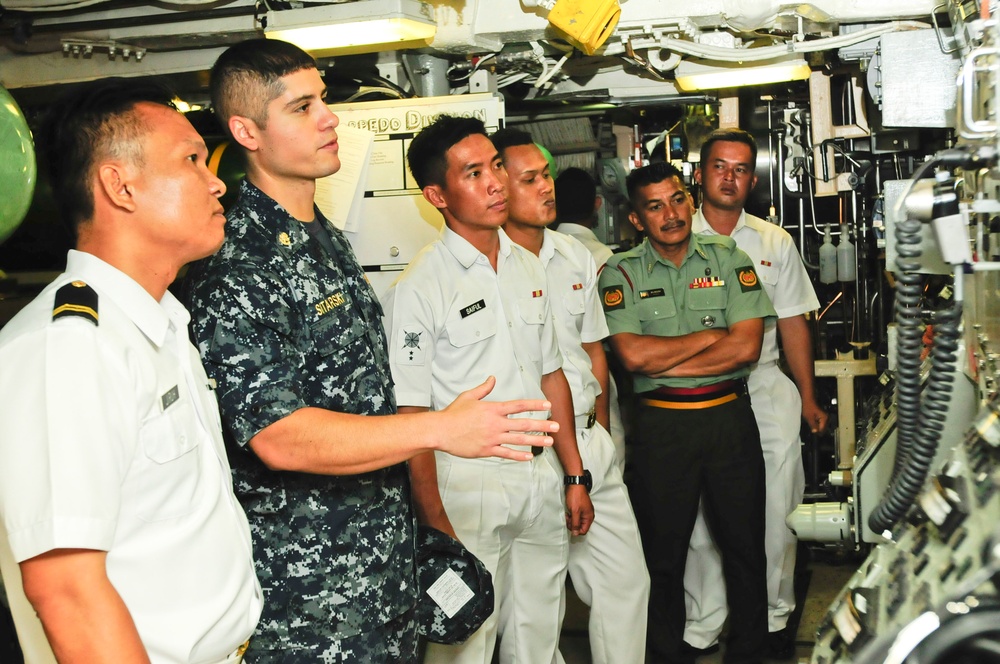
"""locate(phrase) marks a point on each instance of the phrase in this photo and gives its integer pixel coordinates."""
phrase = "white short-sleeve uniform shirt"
(453, 321)
(110, 439)
(572, 282)
(779, 267)
(598, 250)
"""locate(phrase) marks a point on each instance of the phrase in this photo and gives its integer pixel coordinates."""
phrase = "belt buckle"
(591, 418)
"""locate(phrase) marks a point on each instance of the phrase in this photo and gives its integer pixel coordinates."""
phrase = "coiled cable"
(920, 416)
(909, 324)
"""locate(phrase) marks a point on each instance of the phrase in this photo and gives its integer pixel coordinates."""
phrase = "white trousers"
(606, 565)
(615, 424)
(777, 407)
(512, 517)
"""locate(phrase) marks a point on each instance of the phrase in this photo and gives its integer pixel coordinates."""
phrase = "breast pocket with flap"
(474, 328)
(167, 472)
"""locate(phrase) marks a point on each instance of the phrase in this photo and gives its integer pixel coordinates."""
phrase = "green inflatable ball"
(17, 165)
(553, 170)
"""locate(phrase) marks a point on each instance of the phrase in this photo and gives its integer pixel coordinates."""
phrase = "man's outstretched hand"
(474, 428)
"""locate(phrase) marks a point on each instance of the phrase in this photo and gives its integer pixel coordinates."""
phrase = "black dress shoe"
(688, 649)
(781, 644)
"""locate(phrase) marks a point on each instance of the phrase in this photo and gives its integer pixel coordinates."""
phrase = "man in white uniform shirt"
(577, 204)
(726, 175)
(607, 565)
(121, 536)
(470, 305)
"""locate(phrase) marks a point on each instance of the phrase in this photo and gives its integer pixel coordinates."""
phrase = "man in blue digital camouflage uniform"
(686, 315)
(290, 330)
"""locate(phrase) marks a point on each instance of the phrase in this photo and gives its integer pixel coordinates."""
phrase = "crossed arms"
(703, 353)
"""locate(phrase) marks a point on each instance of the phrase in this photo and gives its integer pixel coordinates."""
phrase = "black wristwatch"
(585, 480)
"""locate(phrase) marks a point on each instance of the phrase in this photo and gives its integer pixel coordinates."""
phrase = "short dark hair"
(247, 77)
(510, 137)
(646, 175)
(575, 195)
(733, 135)
(92, 122)
(427, 155)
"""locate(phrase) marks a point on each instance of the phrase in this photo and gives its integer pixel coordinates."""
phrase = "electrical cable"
(472, 70)
(728, 54)
(539, 53)
(364, 79)
(510, 79)
(365, 90)
(545, 77)
(909, 287)
(403, 94)
(920, 418)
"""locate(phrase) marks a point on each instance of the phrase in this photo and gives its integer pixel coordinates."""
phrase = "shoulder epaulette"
(616, 262)
(76, 299)
(627, 278)
(615, 259)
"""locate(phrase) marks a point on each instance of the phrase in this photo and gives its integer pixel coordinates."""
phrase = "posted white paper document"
(339, 196)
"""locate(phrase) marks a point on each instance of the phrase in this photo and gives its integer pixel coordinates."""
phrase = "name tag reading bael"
(450, 592)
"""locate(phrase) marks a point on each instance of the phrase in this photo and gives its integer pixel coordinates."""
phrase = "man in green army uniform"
(686, 314)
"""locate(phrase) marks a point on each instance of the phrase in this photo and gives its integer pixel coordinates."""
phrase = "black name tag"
(656, 292)
(169, 398)
(473, 308)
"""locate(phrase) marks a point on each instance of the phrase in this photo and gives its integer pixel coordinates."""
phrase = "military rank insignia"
(747, 277)
(76, 299)
(613, 298)
(411, 346)
(170, 397)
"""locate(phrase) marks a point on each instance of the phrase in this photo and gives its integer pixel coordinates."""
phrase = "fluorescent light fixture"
(353, 25)
(692, 75)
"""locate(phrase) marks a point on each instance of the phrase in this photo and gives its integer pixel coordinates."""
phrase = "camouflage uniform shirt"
(281, 325)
